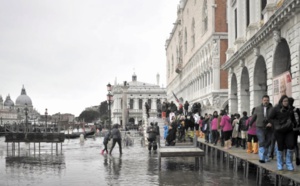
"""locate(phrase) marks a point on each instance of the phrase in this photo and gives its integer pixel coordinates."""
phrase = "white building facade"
(195, 52)
(132, 98)
(263, 52)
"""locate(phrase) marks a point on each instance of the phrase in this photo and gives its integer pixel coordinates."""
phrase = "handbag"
(284, 127)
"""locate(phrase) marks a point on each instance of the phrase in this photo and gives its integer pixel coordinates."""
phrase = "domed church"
(11, 112)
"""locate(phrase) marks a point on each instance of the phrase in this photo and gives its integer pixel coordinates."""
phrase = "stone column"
(124, 109)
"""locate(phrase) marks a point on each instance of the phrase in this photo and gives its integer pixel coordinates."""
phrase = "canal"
(82, 164)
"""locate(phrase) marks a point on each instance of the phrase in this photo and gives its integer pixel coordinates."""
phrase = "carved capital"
(277, 36)
(241, 63)
(256, 51)
(230, 70)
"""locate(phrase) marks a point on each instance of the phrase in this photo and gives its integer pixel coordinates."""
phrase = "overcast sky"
(66, 51)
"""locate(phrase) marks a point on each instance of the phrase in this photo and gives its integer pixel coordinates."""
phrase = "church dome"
(8, 102)
(23, 99)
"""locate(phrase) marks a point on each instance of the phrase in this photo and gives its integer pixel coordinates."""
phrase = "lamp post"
(109, 100)
(46, 114)
(26, 117)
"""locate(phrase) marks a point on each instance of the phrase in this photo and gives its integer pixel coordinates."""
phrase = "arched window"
(193, 33)
(205, 16)
(185, 40)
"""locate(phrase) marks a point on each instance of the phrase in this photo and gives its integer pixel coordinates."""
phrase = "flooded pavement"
(82, 164)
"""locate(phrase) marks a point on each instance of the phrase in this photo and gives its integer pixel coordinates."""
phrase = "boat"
(75, 133)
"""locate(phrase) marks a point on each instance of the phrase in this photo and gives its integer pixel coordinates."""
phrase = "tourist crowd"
(268, 131)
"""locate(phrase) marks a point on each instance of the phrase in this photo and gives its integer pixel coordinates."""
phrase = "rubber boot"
(244, 143)
(249, 147)
(233, 140)
(237, 142)
(222, 142)
(279, 160)
(226, 145)
(289, 159)
(197, 133)
(102, 152)
(261, 151)
(255, 148)
(229, 144)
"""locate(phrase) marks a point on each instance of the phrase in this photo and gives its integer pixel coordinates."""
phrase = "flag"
(175, 97)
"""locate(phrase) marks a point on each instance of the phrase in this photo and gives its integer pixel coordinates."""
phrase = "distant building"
(137, 94)
(15, 113)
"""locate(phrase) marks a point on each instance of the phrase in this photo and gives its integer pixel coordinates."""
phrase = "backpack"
(243, 124)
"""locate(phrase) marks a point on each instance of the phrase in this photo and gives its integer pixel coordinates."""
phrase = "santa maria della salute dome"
(11, 112)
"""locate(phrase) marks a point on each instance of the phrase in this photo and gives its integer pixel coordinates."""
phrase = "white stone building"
(263, 51)
(135, 95)
(195, 52)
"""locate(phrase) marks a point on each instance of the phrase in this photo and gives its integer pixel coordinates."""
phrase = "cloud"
(65, 52)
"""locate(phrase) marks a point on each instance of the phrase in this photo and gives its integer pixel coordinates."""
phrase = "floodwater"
(82, 164)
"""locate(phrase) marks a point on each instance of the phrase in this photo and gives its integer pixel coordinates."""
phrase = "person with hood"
(172, 132)
(105, 142)
(117, 138)
(264, 129)
(283, 120)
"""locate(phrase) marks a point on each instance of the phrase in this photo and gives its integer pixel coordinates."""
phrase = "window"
(247, 12)
(140, 104)
(263, 6)
(205, 16)
(193, 33)
(235, 23)
(131, 103)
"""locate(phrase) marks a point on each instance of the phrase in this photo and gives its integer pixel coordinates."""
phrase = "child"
(105, 142)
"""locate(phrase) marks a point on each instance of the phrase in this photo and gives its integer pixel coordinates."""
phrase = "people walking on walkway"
(117, 138)
(296, 129)
(227, 128)
(186, 108)
(264, 129)
(214, 128)
(157, 133)
(243, 129)
(236, 131)
(282, 117)
(252, 147)
(105, 142)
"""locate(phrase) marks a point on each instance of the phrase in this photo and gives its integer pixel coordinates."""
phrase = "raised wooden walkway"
(15, 138)
(182, 151)
(238, 155)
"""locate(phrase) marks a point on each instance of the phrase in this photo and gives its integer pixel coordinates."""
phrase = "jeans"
(264, 136)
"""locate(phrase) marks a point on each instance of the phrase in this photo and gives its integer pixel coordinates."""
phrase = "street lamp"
(46, 114)
(109, 100)
(26, 116)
